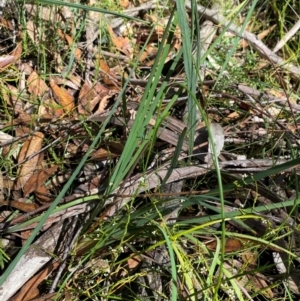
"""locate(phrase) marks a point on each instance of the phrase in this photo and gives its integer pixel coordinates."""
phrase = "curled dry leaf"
(107, 75)
(30, 147)
(32, 32)
(10, 150)
(86, 98)
(122, 44)
(64, 98)
(103, 104)
(73, 81)
(38, 179)
(8, 60)
(89, 96)
(25, 207)
(42, 194)
(36, 85)
(17, 51)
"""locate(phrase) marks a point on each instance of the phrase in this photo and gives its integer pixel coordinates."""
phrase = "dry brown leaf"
(149, 51)
(42, 193)
(36, 85)
(232, 116)
(264, 33)
(102, 154)
(5, 61)
(124, 3)
(77, 53)
(8, 60)
(101, 89)
(86, 95)
(108, 75)
(31, 31)
(261, 286)
(17, 51)
(122, 44)
(131, 265)
(48, 297)
(111, 149)
(90, 96)
(30, 290)
(25, 207)
(133, 262)
(103, 104)
(64, 98)
(30, 147)
(159, 23)
(38, 179)
(74, 82)
(5, 93)
(231, 245)
(104, 67)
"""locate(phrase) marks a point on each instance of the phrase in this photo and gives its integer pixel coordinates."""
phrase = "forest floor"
(149, 150)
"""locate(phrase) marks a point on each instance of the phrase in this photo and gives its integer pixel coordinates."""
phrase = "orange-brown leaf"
(107, 75)
(231, 245)
(41, 194)
(25, 207)
(64, 98)
(30, 147)
(122, 44)
(124, 3)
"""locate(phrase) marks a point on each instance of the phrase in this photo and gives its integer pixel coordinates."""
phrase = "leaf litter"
(52, 112)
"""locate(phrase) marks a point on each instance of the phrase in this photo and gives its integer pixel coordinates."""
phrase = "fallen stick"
(258, 45)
